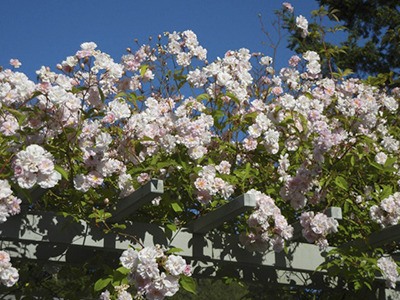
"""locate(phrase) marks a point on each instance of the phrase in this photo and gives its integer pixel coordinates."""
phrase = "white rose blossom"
(302, 23)
(154, 273)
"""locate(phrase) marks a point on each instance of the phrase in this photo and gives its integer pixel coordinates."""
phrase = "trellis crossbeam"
(224, 213)
(142, 196)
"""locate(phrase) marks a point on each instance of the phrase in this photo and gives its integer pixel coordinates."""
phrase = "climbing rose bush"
(34, 165)
(388, 211)
(8, 274)
(317, 227)
(389, 270)
(97, 129)
(146, 276)
(9, 206)
(267, 227)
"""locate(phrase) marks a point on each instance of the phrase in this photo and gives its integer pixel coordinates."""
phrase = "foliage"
(48, 281)
(367, 43)
(372, 43)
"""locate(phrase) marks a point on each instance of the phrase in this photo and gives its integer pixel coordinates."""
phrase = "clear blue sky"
(44, 32)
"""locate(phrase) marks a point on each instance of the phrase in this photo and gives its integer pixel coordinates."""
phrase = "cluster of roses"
(163, 125)
(99, 161)
(301, 22)
(264, 128)
(387, 214)
(8, 274)
(231, 73)
(154, 274)
(268, 228)
(35, 165)
(388, 211)
(185, 46)
(389, 270)
(311, 120)
(316, 227)
(208, 184)
(313, 65)
(296, 187)
(9, 205)
(15, 87)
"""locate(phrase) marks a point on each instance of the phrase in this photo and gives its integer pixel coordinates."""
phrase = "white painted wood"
(128, 205)
(39, 230)
(224, 213)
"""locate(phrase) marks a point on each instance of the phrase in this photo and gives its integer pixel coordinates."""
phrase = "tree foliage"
(373, 35)
(368, 44)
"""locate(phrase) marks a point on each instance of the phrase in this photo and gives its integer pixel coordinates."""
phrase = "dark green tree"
(370, 40)
(373, 40)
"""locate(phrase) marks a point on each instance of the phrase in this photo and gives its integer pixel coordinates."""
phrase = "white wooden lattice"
(46, 236)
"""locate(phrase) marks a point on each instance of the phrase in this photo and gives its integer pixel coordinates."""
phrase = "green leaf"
(368, 285)
(123, 270)
(390, 161)
(16, 113)
(174, 250)
(60, 170)
(119, 226)
(342, 183)
(188, 283)
(357, 285)
(120, 276)
(309, 95)
(218, 114)
(227, 280)
(165, 164)
(101, 95)
(79, 89)
(176, 207)
(352, 160)
(143, 69)
(233, 97)
(102, 283)
(171, 227)
(107, 215)
(386, 192)
(202, 97)
(347, 204)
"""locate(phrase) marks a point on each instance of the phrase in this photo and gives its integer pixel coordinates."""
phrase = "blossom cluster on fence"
(97, 130)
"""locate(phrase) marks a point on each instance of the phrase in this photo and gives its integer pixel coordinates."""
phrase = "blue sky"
(44, 32)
